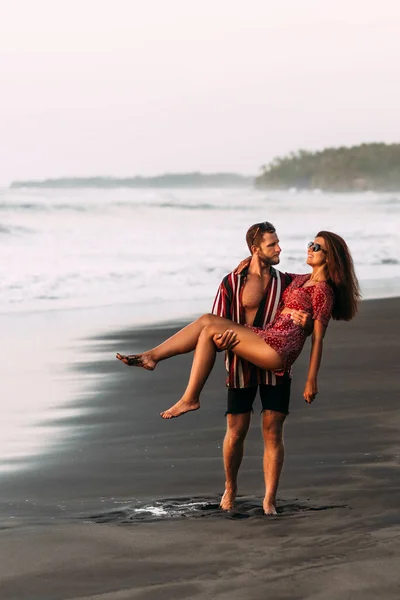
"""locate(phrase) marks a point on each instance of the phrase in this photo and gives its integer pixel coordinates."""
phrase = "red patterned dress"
(283, 335)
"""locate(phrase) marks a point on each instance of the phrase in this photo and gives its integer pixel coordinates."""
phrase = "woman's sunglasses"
(316, 247)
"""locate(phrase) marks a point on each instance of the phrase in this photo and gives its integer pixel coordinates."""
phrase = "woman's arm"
(311, 388)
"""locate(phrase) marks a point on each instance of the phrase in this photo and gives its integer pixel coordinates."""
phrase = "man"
(252, 297)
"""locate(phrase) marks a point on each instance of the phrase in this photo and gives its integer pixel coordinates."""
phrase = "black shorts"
(273, 397)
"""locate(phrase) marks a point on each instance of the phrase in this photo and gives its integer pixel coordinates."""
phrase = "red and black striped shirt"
(228, 304)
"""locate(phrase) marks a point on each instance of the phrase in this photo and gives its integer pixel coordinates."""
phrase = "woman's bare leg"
(250, 347)
(203, 362)
(186, 340)
(181, 342)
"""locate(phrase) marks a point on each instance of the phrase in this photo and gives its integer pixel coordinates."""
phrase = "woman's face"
(317, 257)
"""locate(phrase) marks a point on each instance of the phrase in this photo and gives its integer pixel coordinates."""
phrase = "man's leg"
(236, 431)
(274, 454)
(275, 402)
(240, 402)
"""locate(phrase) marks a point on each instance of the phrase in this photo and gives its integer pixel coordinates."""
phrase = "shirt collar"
(272, 272)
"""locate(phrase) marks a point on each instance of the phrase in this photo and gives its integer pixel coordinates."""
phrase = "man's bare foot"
(269, 507)
(138, 360)
(180, 408)
(228, 499)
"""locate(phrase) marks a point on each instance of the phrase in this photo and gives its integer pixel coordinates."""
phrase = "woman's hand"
(303, 319)
(242, 265)
(226, 340)
(310, 390)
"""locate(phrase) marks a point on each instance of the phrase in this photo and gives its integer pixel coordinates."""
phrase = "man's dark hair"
(255, 233)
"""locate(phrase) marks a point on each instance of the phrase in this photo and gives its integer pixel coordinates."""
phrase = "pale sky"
(127, 87)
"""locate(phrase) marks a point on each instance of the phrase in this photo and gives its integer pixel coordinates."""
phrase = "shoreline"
(94, 370)
(80, 347)
(48, 421)
(175, 310)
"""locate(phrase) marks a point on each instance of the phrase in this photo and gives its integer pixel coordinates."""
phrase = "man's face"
(269, 249)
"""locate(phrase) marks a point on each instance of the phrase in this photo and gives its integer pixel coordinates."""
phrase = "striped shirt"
(228, 304)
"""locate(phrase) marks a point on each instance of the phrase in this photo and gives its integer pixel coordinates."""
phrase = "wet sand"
(126, 505)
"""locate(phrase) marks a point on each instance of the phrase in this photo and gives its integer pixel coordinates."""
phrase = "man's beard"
(270, 261)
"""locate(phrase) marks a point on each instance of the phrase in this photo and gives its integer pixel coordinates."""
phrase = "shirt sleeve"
(221, 306)
(293, 275)
(323, 299)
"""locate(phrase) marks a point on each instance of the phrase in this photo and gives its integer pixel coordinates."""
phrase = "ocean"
(78, 262)
(153, 249)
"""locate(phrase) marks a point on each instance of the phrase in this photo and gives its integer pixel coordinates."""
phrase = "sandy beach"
(126, 505)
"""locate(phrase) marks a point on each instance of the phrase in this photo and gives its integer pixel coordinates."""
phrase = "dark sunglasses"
(261, 227)
(316, 247)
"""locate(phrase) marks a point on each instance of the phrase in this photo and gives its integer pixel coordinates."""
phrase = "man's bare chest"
(253, 292)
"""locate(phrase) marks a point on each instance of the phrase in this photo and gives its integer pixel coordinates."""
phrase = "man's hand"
(310, 390)
(242, 265)
(304, 320)
(226, 340)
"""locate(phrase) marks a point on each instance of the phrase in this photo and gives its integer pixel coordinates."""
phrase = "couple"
(277, 312)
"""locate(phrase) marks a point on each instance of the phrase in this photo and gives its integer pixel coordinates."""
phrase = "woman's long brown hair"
(342, 277)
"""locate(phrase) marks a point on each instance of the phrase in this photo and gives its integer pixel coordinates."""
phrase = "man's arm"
(222, 303)
(222, 308)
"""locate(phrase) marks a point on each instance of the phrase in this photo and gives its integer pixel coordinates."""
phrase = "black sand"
(126, 506)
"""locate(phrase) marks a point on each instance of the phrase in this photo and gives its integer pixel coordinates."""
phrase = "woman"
(331, 290)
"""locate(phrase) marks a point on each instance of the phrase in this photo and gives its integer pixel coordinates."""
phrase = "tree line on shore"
(365, 167)
(357, 168)
(169, 180)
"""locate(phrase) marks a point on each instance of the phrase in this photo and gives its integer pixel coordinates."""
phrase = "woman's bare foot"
(269, 507)
(228, 499)
(180, 408)
(138, 360)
